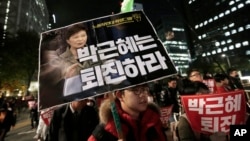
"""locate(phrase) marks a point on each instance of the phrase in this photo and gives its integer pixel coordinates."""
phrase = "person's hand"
(71, 70)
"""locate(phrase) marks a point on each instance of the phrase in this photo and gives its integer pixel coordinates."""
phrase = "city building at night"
(20, 15)
(170, 30)
(23, 15)
(218, 28)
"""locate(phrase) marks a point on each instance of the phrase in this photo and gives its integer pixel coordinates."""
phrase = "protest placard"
(47, 115)
(215, 112)
(165, 115)
(122, 50)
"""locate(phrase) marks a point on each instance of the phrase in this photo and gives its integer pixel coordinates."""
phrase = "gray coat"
(186, 133)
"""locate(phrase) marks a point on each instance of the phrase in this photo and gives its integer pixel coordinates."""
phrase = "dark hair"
(191, 70)
(219, 77)
(231, 70)
(3, 107)
(171, 79)
(190, 87)
(74, 29)
(207, 75)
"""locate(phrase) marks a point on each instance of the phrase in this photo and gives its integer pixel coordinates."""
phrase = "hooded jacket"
(147, 128)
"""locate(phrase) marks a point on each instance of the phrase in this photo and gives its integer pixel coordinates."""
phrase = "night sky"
(70, 11)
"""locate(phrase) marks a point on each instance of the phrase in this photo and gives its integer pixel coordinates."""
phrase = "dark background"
(71, 11)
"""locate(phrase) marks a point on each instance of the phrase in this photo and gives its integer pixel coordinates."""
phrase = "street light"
(227, 58)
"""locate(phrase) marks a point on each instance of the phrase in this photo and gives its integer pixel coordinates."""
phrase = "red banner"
(165, 114)
(215, 112)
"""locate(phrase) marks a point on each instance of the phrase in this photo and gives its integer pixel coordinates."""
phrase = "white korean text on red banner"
(215, 112)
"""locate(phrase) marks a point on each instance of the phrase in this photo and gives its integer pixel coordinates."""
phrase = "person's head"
(78, 105)
(222, 79)
(134, 100)
(172, 82)
(207, 75)
(76, 36)
(196, 87)
(232, 72)
(194, 75)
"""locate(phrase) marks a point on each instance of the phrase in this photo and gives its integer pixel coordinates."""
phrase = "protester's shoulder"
(60, 109)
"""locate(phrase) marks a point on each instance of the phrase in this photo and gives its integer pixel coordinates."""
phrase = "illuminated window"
(231, 47)
(229, 41)
(213, 52)
(221, 15)
(204, 36)
(245, 43)
(227, 33)
(240, 29)
(225, 27)
(215, 17)
(210, 20)
(231, 2)
(233, 31)
(217, 44)
(227, 12)
(177, 29)
(240, 5)
(233, 9)
(248, 26)
(224, 49)
(219, 50)
(205, 22)
(231, 25)
(238, 45)
(223, 42)
(7, 10)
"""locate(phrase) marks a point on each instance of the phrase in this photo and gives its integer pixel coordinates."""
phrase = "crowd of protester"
(134, 117)
(195, 83)
(94, 119)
